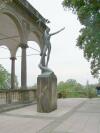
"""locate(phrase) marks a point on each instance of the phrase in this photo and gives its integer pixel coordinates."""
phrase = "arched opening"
(6, 64)
(10, 37)
(33, 58)
(9, 34)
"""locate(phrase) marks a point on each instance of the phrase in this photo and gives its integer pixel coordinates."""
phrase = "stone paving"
(74, 115)
(85, 119)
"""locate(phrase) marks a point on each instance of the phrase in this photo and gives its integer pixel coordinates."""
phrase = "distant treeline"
(71, 88)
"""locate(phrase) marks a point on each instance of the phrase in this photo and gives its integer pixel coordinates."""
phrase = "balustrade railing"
(17, 96)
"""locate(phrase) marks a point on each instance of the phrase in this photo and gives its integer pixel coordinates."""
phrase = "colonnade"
(20, 23)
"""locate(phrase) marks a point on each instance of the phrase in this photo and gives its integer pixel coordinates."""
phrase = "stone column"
(12, 72)
(24, 67)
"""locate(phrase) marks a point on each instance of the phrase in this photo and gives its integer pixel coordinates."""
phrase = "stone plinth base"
(46, 93)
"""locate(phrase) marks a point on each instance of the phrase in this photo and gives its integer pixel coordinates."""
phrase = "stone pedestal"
(46, 92)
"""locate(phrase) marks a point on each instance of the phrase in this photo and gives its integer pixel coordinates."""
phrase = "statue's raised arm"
(57, 31)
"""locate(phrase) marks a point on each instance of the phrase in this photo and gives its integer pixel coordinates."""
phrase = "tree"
(5, 79)
(88, 12)
(70, 88)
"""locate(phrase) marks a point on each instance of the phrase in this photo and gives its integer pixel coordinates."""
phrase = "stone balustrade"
(17, 96)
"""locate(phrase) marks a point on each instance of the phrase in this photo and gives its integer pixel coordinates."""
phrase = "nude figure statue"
(46, 49)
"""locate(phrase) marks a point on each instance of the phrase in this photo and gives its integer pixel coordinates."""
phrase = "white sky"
(66, 60)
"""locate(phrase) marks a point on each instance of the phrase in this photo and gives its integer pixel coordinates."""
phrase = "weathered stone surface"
(46, 92)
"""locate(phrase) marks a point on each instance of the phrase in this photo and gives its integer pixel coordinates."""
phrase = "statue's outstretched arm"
(57, 31)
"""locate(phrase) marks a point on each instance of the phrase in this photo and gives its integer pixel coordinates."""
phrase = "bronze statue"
(46, 49)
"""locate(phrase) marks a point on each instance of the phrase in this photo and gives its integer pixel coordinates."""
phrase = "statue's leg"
(48, 55)
(43, 55)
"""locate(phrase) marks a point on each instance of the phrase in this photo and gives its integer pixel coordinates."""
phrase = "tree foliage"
(71, 88)
(88, 12)
(5, 79)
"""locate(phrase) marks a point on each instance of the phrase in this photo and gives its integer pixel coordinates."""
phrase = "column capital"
(23, 45)
(13, 58)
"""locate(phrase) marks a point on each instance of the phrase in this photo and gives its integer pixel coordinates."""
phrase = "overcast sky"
(66, 59)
